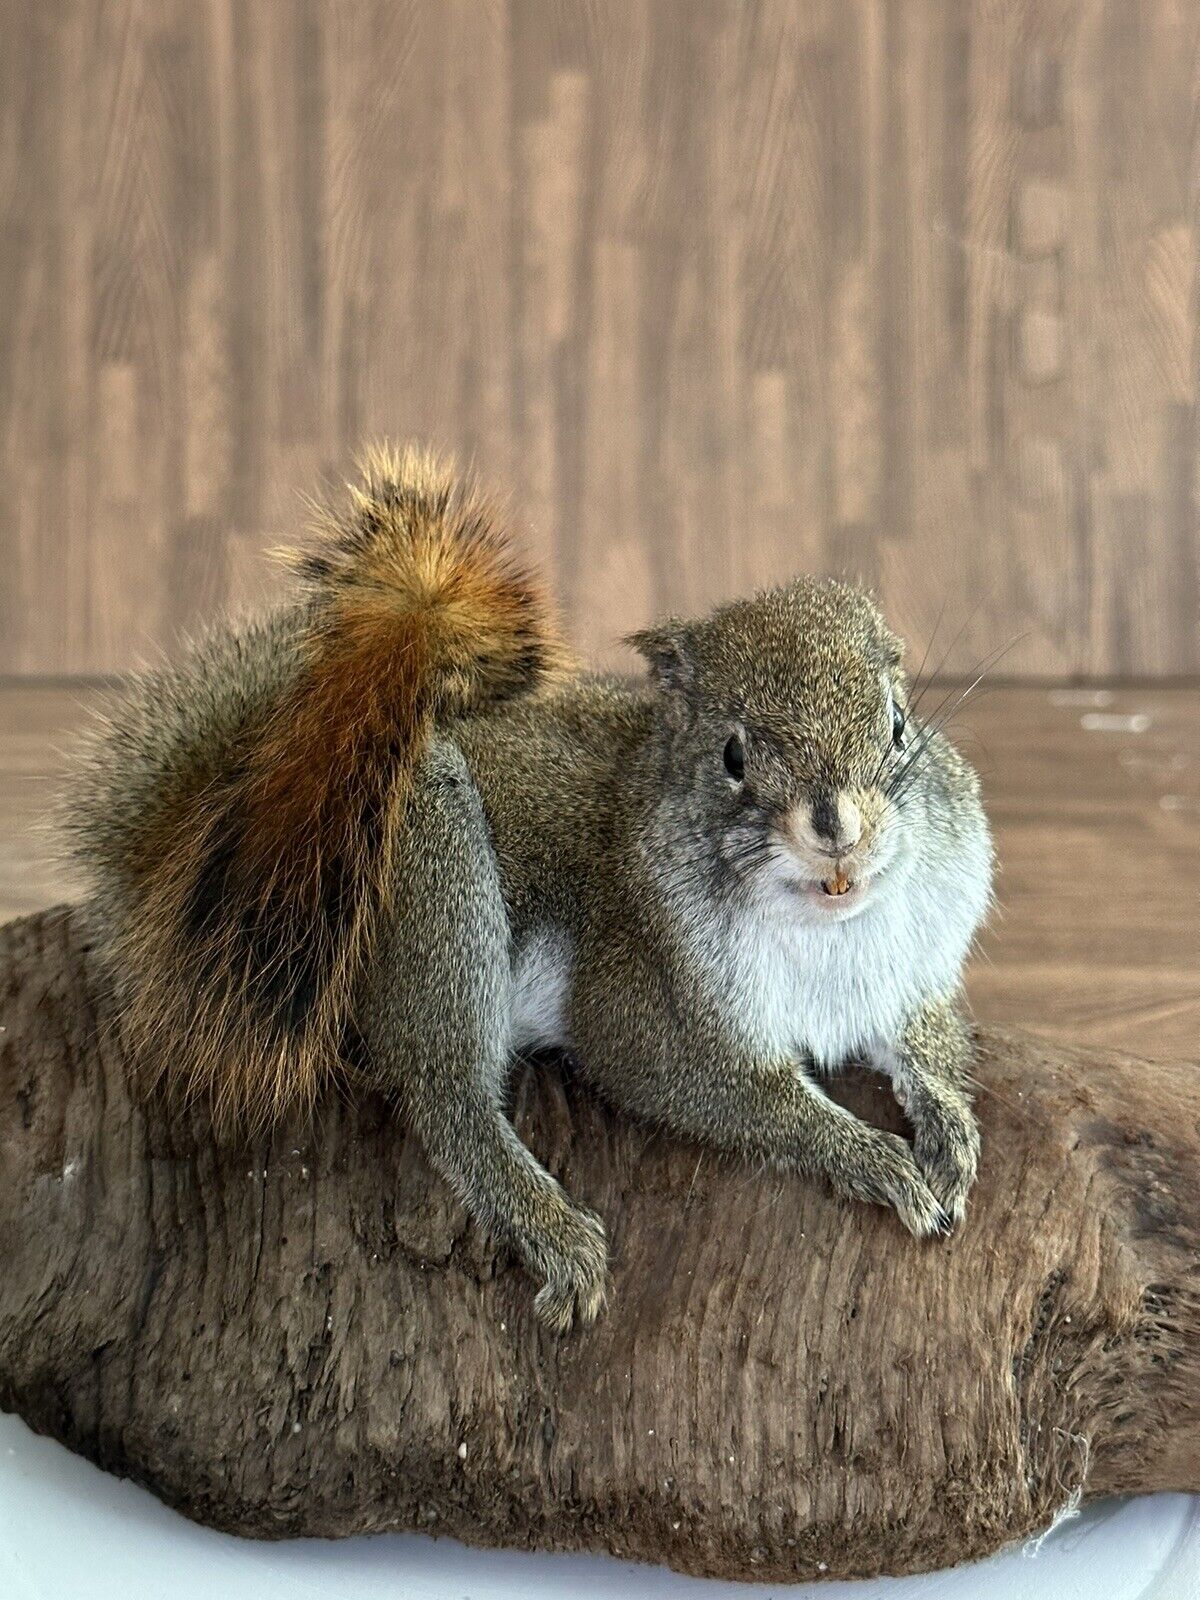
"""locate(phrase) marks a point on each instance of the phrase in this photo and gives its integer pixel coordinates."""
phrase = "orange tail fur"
(250, 899)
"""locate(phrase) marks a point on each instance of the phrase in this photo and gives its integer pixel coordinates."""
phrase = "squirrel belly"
(541, 988)
(237, 816)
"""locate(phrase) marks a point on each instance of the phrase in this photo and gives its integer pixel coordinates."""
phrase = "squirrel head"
(787, 742)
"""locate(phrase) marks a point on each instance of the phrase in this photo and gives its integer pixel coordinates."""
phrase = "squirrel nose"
(836, 817)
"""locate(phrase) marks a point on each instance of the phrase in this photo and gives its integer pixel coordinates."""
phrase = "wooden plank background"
(720, 291)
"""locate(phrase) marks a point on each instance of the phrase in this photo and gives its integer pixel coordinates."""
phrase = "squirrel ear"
(664, 648)
(893, 648)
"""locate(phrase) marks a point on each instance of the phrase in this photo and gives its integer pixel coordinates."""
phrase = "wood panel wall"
(719, 291)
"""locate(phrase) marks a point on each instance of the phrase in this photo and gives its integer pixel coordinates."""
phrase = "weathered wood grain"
(306, 1336)
(902, 288)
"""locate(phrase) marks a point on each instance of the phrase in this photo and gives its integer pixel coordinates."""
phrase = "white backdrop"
(70, 1532)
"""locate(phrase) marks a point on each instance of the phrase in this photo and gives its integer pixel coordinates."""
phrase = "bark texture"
(307, 1336)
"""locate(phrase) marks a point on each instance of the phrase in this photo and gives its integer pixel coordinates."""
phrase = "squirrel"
(391, 829)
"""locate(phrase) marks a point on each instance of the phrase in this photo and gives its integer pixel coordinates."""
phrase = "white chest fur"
(833, 990)
(824, 989)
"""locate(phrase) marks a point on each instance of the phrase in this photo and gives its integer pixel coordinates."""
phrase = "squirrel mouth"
(837, 896)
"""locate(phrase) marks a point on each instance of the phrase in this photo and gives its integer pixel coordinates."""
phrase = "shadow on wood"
(307, 1336)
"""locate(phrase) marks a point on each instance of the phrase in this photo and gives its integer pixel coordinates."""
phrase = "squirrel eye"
(735, 759)
(898, 722)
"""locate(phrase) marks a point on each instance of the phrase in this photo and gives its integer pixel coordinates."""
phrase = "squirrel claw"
(575, 1269)
(924, 1216)
(561, 1306)
(889, 1175)
(948, 1155)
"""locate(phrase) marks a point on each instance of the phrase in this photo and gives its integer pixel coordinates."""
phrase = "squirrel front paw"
(884, 1171)
(946, 1141)
(570, 1256)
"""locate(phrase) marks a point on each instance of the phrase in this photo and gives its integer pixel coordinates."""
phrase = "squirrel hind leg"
(435, 1019)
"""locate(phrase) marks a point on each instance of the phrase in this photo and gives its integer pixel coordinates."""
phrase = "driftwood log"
(307, 1336)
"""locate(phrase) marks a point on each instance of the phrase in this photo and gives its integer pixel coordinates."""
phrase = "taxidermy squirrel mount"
(391, 829)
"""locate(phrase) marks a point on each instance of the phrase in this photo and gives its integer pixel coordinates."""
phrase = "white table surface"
(71, 1532)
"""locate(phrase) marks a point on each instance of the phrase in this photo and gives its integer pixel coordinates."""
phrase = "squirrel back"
(238, 813)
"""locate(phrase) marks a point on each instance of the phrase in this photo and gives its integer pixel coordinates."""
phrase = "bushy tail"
(243, 861)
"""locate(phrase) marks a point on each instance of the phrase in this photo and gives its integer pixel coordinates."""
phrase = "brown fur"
(259, 887)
